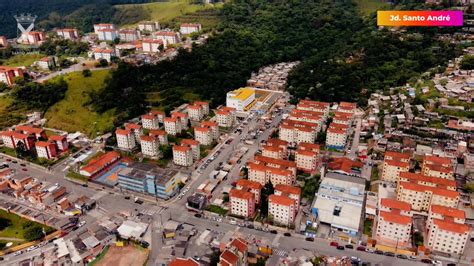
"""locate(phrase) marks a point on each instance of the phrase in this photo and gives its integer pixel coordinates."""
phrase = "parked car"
(437, 262)
(310, 239)
(403, 257)
(334, 244)
(378, 252)
(389, 254)
(274, 231)
(361, 248)
(197, 215)
(427, 261)
(340, 247)
(412, 258)
(349, 246)
(287, 234)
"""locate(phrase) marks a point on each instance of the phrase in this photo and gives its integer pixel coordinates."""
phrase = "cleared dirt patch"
(124, 256)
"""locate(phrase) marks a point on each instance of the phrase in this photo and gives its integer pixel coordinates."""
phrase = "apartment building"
(150, 146)
(182, 155)
(104, 53)
(394, 222)
(149, 26)
(8, 74)
(60, 142)
(168, 37)
(336, 136)
(203, 135)
(416, 178)
(68, 34)
(7, 139)
(106, 32)
(308, 116)
(447, 230)
(421, 197)
(242, 203)
(343, 118)
(136, 129)
(309, 105)
(35, 37)
(291, 192)
(194, 145)
(438, 167)
(297, 131)
(161, 115)
(125, 139)
(160, 134)
(251, 186)
(129, 35)
(36, 132)
(225, 116)
(46, 149)
(150, 121)
(275, 148)
(152, 46)
(394, 163)
(276, 163)
(306, 157)
(214, 127)
(183, 118)
(282, 210)
(347, 107)
(263, 174)
(188, 28)
(204, 106)
(172, 125)
(195, 112)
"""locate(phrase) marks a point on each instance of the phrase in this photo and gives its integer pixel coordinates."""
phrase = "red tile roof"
(309, 146)
(395, 218)
(344, 164)
(249, 184)
(449, 212)
(148, 117)
(281, 162)
(240, 244)
(29, 129)
(241, 194)
(183, 262)
(306, 153)
(181, 148)
(431, 159)
(229, 257)
(147, 138)
(123, 132)
(277, 142)
(190, 142)
(57, 138)
(451, 226)
(157, 132)
(437, 191)
(397, 163)
(42, 144)
(209, 124)
(288, 189)
(132, 126)
(100, 162)
(280, 200)
(419, 178)
(397, 155)
(395, 204)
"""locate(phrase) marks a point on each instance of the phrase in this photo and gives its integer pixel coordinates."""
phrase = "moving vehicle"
(403, 257)
(310, 239)
(349, 246)
(334, 244)
(361, 248)
(340, 247)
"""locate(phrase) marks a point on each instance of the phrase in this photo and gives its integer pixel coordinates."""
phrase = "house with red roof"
(100, 164)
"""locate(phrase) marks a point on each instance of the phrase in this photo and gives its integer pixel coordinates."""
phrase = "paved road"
(73, 68)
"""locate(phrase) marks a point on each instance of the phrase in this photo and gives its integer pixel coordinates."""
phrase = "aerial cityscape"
(237, 132)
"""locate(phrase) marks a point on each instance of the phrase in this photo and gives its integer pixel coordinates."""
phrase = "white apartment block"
(168, 37)
(242, 203)
(314, 106)
(183, 118)
(421, 197)
(392, 168)
(129, 35)
(252, 186)
(294, 134)
(45, 150)
(262, 174)
(160, 134)
(150, 146)
(336, 138)
(101, 53)
(213, 126)
(273, 151)
(152, 46)
(136, 129)
(394, 223)
(290, 192)
(172, 126)
(7, 139)
(195, 147)
(203, 135)
(150, 122)
(281, 209)
(435, 166)
(68, 34)
(188, 28)
(195, 112)
(447, 230)
(125, 139)
(149, 26)
(225, 117)
(182, 155)
(306, 161)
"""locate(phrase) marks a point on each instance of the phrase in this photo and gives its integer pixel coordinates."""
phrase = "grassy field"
(22, 60)
(15, 226)
(9, 116)
(165, 12)
(72, 115)
(368, 6)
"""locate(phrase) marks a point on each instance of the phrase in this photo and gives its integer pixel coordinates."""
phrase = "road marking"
(65, 168)
(276, 240)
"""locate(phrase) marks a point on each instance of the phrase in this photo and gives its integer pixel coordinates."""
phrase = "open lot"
(22, 60)
(72, 114)
(124, 256)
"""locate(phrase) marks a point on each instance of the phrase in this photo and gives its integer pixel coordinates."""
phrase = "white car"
(31, 248)
(81, 223)
(17, 253)
(437, 262)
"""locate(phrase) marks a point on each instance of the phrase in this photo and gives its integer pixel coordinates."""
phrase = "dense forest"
(74, 13)
(344, 57)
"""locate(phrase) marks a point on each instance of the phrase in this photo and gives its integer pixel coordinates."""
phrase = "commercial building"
(225, 116)
(251, 186)
(394, 222)
(242, 203)
(447, 230)
(188, 28)
(306, 157)
(182, 155)
(291, 192)
(46, 149)
(172, 125)
(339, 202)
(394, 163)
(8, 74)
(100, 164)
(146, 178)
(282, 210)
(125, 139)
(241, 99)
(68, 34)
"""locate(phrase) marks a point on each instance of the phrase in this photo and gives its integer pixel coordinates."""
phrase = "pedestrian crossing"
(279, 252)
